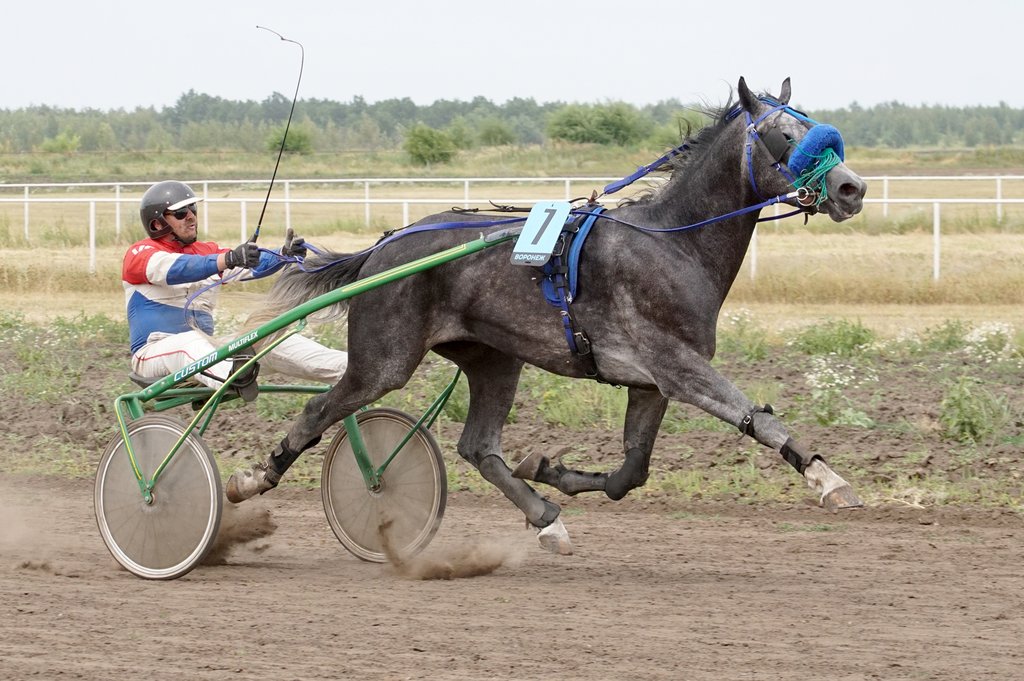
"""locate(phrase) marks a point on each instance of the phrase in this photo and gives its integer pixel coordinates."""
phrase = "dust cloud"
(240, 525)
(26, 535)
(473, 560)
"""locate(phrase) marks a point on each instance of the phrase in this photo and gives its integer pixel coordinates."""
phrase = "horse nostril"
(853, 190)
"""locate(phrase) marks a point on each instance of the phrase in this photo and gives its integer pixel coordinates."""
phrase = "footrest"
(141, 381)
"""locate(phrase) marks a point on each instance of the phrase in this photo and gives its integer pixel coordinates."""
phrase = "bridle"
(809, 176)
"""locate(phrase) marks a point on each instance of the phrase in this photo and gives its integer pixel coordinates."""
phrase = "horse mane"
(694, 144)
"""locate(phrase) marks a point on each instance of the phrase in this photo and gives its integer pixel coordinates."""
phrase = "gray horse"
(648, 301)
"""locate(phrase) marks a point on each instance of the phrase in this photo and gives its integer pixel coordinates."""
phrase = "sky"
(85, 54)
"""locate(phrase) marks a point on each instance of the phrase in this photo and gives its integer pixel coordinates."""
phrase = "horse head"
(785, 149)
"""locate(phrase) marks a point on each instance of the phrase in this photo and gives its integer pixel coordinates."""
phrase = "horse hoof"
(555, 538)
(530, 467)
(840, 498)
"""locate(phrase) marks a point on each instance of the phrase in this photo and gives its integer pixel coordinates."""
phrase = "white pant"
(296, 356)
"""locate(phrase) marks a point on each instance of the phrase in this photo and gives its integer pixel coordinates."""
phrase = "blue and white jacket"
(159, 275)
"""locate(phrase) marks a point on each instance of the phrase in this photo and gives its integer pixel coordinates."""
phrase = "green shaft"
(326, 300)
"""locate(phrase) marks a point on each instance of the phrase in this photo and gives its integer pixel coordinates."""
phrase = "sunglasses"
(182, 213)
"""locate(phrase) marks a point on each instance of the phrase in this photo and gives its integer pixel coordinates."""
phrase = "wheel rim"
(412, 494)
(166, 538)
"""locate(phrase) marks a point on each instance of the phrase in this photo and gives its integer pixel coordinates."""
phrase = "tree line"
(433, 132)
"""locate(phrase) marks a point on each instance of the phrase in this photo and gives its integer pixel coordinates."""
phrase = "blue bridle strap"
(559, 284)
(710, 221)
(644, 170)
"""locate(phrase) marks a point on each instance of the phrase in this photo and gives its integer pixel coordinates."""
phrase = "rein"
(817, 153)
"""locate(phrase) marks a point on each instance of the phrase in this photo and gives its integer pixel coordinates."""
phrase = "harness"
(561, 276)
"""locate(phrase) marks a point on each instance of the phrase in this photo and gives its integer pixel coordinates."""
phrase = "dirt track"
(695, 591)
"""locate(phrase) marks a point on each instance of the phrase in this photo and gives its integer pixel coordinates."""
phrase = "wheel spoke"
(169, 537)
(412, 492)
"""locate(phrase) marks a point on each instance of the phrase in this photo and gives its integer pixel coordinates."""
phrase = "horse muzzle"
(846, 192)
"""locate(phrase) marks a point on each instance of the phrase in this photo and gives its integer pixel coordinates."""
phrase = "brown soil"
(660, 586)
(696, 591)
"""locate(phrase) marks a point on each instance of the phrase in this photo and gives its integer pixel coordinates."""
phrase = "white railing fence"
(115, 195)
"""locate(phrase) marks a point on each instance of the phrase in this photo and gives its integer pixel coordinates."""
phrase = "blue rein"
(819, 151)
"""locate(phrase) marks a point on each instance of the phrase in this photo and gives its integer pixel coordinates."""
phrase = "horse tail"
(319, 274)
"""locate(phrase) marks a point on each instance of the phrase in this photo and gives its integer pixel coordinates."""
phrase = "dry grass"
(874, 268)
(883, 280)
(802, 267)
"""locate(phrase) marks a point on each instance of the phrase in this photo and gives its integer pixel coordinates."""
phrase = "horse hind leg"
(644, 412)
(319, 414)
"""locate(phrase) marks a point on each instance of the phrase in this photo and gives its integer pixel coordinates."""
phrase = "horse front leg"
(835, 492)
(644, 412)
(493, 378)
(705, 388)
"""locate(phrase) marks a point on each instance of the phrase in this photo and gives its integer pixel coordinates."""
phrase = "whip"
(284, 137)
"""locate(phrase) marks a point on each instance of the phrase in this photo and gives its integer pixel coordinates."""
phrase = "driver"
(161, 272)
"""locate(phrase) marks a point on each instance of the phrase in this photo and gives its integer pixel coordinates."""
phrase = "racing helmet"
(160, 198)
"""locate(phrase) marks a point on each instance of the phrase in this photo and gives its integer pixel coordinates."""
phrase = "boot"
(245, 383)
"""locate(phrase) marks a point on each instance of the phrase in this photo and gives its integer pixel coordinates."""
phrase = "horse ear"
(786, 92)
(747, 100)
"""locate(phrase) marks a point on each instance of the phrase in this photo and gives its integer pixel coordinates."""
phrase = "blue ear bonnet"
(812, 146)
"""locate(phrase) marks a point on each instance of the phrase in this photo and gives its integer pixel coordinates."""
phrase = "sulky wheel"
(406, 508)
(168, 537)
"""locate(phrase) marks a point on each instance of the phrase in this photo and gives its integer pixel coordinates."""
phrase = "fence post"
(465, 193)
(26, 212)
(245, 221)
(92, 237)
(117, 210)
(366, 197)
(999, 199)
(936, 238)
(885, 196)
(568, 188)
(405, 213)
